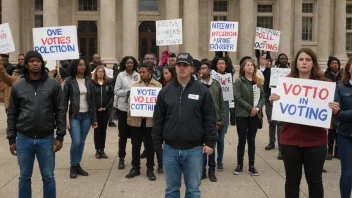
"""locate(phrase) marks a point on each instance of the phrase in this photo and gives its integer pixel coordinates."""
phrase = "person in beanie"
(35, 110)
(184, 117)
(216, 93)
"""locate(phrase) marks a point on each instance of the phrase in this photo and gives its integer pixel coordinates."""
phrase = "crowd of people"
(189, 123)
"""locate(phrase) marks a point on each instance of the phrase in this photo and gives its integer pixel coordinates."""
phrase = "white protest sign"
(304, 101)
(226, 84)
(143, 100)
(169, 32)
(51, 65)
(267, 39)
(277, 73)
(6, 41)
(223, 36)
(56, 43)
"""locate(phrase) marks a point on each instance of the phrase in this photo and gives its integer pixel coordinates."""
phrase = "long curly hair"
(215, 61)
(124, 60)
(316, 73)
(255, 79)
(73, 68)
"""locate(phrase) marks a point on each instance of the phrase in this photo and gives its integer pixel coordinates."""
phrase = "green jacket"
(216, 95)
(244, 98)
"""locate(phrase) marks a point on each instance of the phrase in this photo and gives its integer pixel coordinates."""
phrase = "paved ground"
(105, 180)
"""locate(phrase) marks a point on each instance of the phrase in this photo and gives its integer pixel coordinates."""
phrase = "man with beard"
(35, 110)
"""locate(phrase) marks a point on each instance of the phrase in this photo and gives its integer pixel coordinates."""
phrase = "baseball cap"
(184, 58)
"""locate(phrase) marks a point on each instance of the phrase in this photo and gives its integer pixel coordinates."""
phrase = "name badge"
(193, 97)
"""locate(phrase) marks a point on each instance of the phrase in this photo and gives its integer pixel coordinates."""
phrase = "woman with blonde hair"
(249, 100)
(104, 96)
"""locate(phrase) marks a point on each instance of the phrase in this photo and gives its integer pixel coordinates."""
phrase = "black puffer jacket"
(104, 95)
(36, 112)
(72, 94)
(184, 118)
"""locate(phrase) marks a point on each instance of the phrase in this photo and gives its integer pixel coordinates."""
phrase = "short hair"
(95, 55)
(73, 68)
(205, 63)
(144, 65)
(4, 55)
(124, 60)
(215, 61)
(172, 55)
(21, 55)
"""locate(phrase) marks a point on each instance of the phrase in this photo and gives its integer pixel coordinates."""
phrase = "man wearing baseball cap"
(185, 121)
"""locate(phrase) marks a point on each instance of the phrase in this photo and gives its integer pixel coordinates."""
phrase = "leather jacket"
(36, 111)
(104, 95)
(71, 94)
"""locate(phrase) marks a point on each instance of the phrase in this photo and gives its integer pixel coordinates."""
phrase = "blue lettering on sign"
(310, 113)
(54, 32)
(145, 107)
(55, 49)
(144, 92)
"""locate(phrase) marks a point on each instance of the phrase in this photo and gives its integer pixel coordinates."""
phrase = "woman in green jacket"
(249, 100)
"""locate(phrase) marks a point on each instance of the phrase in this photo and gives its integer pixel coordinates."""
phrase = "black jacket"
(104, 95)
(332, 77)
(267, 89)
(184, 118)
(72, 94)
(9, 68)
(36, 112)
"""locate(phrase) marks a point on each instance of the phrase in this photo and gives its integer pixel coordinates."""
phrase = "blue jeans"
(79, 128)
(220, 144)
(188, 161)
(345, 147)
(27, 149)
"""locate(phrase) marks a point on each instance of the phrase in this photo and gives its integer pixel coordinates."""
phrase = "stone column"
(286, 27)
(172, 11)
(340, 33)
(50, 13)
(10, 14)
(297, 27)
(323, 33)
(107, 31)
(130, 28)
(190, 27)
(246, 29)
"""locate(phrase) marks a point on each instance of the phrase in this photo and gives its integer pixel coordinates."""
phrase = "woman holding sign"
(343, 96)
(302, 144)
(104, 96)
(124, 81)
(78, 95)
(249, 100)
(219, 65)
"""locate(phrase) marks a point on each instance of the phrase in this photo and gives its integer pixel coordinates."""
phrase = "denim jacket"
(343, 96)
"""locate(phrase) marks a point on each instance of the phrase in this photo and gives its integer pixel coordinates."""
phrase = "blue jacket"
(343, 96)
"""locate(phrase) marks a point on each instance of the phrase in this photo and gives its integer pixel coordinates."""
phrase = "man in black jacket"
(184, 117)
(35, 110)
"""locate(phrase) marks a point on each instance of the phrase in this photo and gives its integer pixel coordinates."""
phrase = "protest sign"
(143, 100)
(169, 32)
(6, 41)
(223, 36)
(267, 39)
(226, 84)
(277, 73)
(56, 43)
(304, 101)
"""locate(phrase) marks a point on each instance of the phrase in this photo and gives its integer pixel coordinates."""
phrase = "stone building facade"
(116, 28)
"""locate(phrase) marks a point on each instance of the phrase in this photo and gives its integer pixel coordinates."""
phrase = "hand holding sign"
(304, 101)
